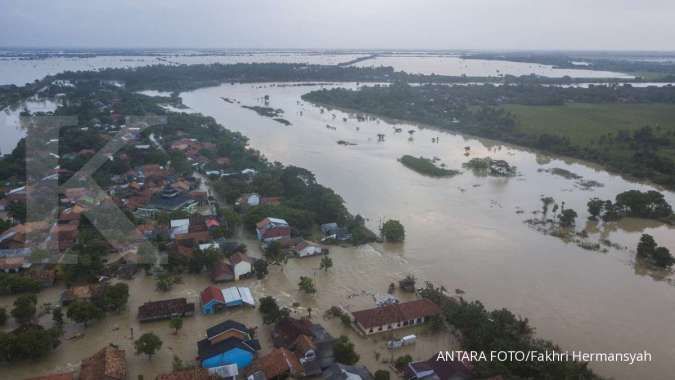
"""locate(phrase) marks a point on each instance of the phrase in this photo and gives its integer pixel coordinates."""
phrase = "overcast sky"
(402, 24)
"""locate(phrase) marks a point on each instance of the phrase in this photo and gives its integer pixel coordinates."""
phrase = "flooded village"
(271, 258)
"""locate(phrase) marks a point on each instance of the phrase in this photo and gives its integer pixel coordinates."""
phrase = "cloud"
(431, 24)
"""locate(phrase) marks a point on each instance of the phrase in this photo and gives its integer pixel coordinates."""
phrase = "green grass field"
(583, 122)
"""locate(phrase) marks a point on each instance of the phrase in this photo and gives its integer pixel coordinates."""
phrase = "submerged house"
(395, 316)
(214, 300)
(227, 343)
(109, 363)
(168, 200)
(335, 232)
(278, 364)
(434, 369)
(166, 309)
(311, 343)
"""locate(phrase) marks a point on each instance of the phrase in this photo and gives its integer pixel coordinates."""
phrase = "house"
(227, 343)
(248, 200)
(270, 229)
(228, 329)
(166, 309)
(221, 272)
(226, 352)
(434, 369)
(80, 293)
(241, 265)
(311, 343)
(214, 299)
(107, 364)
(395, 316)
(306, 249)
(339, 371)
(45, 277)
(14, 264)
(195, 373)
(333, 231)
(280, 363)
(179, 226)
(168, 200)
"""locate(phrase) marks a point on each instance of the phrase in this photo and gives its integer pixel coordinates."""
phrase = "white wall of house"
(390, 327)
(240, 269)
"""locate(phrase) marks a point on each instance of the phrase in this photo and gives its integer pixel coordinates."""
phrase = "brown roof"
(221, 272)
(288, 329)
(189, 374)
(200, 236)
(395, 313)
(55, 376)
(109, 363)
(12, 263)
(165, 309)
(303, 344)
(277, 363)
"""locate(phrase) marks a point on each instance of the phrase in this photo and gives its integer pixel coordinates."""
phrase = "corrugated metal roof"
(246, 296)
(231, 295)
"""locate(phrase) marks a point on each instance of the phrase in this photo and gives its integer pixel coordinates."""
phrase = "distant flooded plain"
(468, 232)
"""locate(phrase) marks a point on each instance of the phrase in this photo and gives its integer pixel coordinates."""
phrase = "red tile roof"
(395, 313)
(277, 363)
(109, 363)
(211, 293)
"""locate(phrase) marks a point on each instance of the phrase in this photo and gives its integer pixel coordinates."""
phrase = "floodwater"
(347, 284)
(10, 125)
(21, 71)
(456, 66)
(468, 232)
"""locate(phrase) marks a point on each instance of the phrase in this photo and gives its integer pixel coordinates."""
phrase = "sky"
(341, 24)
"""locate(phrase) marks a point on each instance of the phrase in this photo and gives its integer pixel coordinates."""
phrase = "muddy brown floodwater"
(349, 284)
(467, 232)
(462, 232)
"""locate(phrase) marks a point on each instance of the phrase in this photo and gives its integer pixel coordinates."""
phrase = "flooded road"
(468, 232)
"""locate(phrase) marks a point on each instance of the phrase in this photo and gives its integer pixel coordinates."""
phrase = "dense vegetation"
(632, 203)
(505, 113)
(650, 252)
(426, 166)
(483, 330)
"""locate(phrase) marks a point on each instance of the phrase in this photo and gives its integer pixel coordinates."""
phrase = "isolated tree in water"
(326, 263)
(148, 344)
(306, 285)
(176, 324)
(393, 231)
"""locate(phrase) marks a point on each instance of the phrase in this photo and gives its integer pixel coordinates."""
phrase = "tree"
(646, 246)
(84, 312)
(275, 254)
(343, 350)
(326, 263)
(595, 207)
(381, 374)
(3, 316)
(260, 269)
(148, 344)
(57, 316)
(115, 297)
(176, 324)
(393, 231)
(24, 308)
(648, 250)
(306, 284)
(402, 361)
(567, 217)
(27, 342)
(270, 310)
